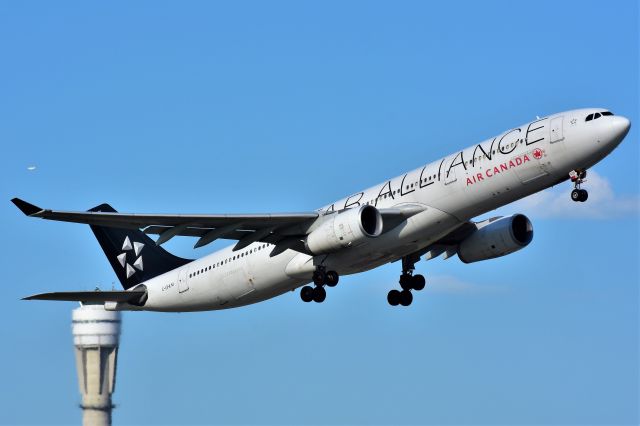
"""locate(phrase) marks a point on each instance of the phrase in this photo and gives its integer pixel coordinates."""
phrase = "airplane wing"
(132, 296)
(246, 228)
(285, 230)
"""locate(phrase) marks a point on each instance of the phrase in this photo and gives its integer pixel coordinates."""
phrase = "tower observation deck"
(96, 335)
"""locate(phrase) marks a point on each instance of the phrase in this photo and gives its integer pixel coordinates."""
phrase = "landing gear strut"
(321, 277)
(408, 282)
(578, 177)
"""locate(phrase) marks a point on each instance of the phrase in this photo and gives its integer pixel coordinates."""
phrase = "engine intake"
(497, 238)
(347, 228)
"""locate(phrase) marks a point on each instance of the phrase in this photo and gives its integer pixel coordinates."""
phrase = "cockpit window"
(597, 115)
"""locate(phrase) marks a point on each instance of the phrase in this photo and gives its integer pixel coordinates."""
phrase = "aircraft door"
(183, 285)
(556, 132)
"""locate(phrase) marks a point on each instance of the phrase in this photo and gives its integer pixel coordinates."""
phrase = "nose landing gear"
(408, 282)
(578, 177)
(320, 278)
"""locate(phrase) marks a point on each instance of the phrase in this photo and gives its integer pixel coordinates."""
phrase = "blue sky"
(211, 107)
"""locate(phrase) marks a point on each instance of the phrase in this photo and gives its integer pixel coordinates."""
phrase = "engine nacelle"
(497, 238)
(349, 227)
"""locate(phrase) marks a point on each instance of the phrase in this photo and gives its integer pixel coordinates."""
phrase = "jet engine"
(347, 228)
(496, 238)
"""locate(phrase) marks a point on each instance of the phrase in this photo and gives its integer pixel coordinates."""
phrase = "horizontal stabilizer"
(133, 297)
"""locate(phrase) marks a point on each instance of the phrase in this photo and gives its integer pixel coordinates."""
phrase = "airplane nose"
(620, 127)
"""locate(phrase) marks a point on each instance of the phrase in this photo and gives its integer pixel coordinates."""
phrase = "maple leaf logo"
(537, 153)
(127, 248)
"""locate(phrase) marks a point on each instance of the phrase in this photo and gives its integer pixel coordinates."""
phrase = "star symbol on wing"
(127, 247)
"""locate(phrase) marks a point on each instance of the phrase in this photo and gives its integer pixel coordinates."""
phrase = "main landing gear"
(408, 282)
(321, 277)
(578, 177)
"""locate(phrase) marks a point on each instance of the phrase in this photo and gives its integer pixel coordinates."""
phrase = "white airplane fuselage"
(452, 190)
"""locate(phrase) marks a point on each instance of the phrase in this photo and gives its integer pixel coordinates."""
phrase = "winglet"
(26, 208)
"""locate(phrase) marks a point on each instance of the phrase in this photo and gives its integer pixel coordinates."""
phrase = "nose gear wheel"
(578, 177)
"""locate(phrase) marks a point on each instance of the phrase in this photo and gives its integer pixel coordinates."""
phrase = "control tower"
(96, 334)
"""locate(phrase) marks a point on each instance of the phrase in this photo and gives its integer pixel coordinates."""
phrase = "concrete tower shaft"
(96, 334)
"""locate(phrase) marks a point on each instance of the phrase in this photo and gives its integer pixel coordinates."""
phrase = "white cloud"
(555, 202)
(451, 284)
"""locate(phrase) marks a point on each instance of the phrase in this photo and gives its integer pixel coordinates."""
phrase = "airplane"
(427, 212)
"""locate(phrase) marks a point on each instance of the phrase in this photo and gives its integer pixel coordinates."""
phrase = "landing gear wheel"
(575, 194)
(319, 277)
(417, 282)
(578, 177)
(406, 298)
(331, 278)
(584, 195)
(319, 294)
(406, 281)
(306, 294)
(393, 297)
